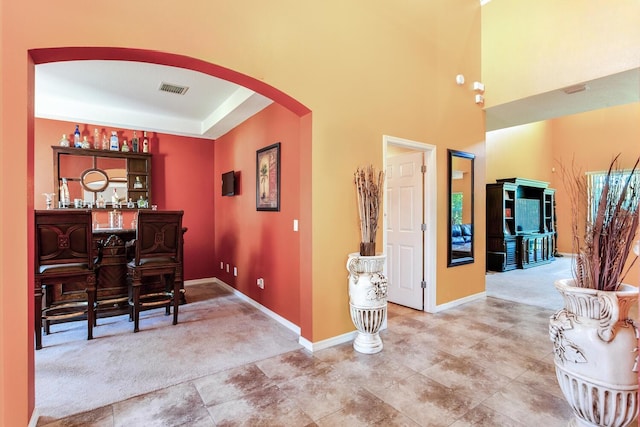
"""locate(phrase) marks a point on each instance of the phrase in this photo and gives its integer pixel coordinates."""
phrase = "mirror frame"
(86, 186)
(451, 261)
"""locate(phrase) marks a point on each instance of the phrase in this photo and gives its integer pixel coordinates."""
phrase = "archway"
(41, 56)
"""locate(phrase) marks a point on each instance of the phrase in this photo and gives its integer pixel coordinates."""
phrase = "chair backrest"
(63, 237)
(158, 235)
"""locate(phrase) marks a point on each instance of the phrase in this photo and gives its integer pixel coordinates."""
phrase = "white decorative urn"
(595, 349)
(367, 300)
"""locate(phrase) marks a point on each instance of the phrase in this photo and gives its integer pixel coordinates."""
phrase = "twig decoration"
(369, 187)
(603, 248)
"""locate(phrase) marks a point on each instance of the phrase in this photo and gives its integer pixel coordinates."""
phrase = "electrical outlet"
(235, 271)
(260, 283)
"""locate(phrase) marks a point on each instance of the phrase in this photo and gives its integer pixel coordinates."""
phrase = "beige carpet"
(216, 331)
(532, 286)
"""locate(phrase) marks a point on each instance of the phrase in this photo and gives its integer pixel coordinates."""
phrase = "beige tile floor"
(484, 363)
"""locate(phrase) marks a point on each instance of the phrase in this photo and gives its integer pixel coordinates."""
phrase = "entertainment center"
(520, 224)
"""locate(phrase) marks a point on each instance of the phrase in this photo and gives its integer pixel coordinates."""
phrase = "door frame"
(430, 198)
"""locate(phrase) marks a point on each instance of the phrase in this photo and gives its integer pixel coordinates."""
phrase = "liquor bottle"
(145, 143)
(65, 199)
(105, 141)
(76, 137)
(85, 142)
(134, 142)
(114, 144)
(96, 139)
(64, 142)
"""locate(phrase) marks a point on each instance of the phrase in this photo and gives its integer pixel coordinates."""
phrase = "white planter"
(595, 354)
(367, 300)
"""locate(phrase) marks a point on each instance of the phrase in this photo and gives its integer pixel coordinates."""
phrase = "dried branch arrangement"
(603, 247)
(369, 187)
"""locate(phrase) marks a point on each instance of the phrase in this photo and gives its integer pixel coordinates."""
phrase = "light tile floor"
(484, 363)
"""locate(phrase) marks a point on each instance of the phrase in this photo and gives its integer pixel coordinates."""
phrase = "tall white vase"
(367, 300)
(595, 354)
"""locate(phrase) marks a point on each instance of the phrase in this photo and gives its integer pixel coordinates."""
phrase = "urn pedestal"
(595, 354)
(367, 300)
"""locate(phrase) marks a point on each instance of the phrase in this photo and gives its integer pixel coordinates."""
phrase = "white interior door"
(404, 229)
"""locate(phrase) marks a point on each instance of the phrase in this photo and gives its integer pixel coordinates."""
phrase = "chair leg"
(136, 306)
(46, 293)
(91, 309)
(38, 314)
(176, 300)
(165, 284)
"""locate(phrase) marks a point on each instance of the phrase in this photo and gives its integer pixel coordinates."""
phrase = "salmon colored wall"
(182, 178)
(379, 68)
(524, 151)
(261, 244)
(553, 44)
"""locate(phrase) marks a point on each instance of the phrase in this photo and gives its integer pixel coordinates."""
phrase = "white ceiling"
(126, 95)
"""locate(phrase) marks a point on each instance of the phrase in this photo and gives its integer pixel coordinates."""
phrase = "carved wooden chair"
(154, 274)
(64, 269)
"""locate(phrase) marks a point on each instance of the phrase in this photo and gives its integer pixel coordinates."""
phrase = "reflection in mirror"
(101, 184)
(460, 207)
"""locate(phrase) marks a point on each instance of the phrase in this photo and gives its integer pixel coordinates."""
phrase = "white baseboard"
(287, 324)
(474, 297)
(329, 342)
(35, 415)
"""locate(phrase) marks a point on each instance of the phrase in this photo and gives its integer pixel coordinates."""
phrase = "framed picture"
(268, 178)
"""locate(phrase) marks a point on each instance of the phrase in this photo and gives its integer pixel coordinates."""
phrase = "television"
(229, 183)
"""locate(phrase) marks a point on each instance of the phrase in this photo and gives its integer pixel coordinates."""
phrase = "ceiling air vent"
(575, 89)
(171, 88)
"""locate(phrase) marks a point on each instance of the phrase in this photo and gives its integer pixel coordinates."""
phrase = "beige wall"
(520, 151)
(529, 48)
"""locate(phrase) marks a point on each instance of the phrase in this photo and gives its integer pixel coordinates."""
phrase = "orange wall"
(591, 140)
(182, 178)
(520, 151)
(260, 243)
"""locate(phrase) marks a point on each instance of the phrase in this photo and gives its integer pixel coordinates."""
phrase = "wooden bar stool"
(64, 269)
(154, 274)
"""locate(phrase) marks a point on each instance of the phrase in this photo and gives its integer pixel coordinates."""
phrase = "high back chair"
(154, 274)
(64, 269)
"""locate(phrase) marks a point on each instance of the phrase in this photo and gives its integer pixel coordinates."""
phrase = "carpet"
(216, 331)
(532, 286)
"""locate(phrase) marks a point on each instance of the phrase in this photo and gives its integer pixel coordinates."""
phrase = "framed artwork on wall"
(268, 178)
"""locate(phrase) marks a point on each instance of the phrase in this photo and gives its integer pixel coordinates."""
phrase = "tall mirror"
(460, 206)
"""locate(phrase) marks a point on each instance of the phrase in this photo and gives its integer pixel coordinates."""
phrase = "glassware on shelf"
(49, 199)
